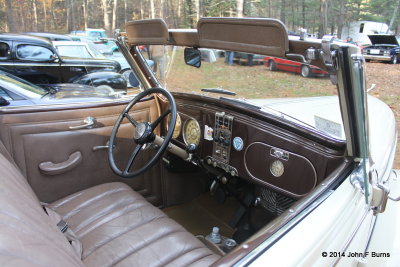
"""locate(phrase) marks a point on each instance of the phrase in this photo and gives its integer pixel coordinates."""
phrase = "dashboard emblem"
(238, 143)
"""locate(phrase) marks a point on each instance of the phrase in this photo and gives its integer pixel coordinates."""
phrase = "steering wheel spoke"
(132, 158)
(155, 123)
(130, 119)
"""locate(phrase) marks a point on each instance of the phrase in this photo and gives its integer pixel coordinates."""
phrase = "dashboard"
(242, 144)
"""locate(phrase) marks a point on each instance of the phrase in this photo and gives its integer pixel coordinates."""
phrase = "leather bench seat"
(115, 225)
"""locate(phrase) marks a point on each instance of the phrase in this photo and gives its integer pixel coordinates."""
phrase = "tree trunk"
(392, 20)
(341, 18)
(53, 15)
(126, 11)
(283, 11)
(69, 26)
(85, 13)
(239, 8)
(73, 17)
(141, 10)
(106, 19)
(114, 19)
(323, 18)
(10, 16)
(303, 14)
(197, 5)
(35, 19)
(45, 16)
(153, 12)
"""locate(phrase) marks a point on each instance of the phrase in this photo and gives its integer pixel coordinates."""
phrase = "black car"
(36, 60)
(384, 47)
(15, 91)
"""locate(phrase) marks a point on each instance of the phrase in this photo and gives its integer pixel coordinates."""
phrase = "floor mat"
(203, 213)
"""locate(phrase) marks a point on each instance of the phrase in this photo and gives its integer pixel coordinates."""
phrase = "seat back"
(27, 235)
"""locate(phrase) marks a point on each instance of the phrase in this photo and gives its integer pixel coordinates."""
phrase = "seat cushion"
(117, 226)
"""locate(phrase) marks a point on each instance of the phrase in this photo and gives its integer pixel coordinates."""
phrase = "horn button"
(143, 133)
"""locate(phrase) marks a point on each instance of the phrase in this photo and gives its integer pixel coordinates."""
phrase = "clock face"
(277, 168)
(191, 132)
(178, 125)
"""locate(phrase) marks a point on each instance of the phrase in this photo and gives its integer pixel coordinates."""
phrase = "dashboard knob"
(214, 164)
(191, 148)
(209, 161)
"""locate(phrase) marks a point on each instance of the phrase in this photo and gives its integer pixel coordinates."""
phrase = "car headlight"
(386, 53)
(365, 52)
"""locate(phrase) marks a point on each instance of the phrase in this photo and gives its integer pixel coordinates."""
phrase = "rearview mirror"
(192, 57)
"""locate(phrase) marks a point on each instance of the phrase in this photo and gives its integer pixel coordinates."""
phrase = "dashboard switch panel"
(222, 137)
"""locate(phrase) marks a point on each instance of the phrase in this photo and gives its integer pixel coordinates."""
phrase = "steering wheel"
(143, 134)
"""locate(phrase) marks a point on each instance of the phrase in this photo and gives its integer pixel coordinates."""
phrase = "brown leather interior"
(116, 226)
(33, 138)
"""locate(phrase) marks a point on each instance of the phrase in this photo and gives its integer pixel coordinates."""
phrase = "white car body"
(342, 226)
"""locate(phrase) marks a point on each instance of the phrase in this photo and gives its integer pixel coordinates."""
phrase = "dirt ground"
(386, 77)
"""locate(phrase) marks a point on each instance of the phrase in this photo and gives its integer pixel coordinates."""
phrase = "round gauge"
(191, 132)
(178, 125)
(277, 168)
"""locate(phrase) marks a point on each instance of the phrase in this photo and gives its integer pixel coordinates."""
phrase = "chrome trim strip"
(382, 58)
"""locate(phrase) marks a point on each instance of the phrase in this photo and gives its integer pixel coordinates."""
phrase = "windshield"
(297, 92)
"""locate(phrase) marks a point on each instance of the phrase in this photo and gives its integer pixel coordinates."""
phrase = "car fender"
(385, 239)
(112, 79)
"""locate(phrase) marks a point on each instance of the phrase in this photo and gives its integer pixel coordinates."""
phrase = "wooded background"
(317, 16)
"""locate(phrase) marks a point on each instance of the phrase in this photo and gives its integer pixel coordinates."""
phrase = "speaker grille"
(274, 202)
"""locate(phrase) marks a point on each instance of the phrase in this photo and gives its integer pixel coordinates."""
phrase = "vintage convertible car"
(179, 176)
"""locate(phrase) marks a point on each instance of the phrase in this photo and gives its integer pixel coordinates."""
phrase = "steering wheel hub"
(143, 133)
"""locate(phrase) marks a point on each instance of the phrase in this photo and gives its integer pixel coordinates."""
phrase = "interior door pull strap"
(51, 168)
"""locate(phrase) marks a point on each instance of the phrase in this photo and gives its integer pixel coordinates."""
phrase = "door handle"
(89, 122)
(51, 168)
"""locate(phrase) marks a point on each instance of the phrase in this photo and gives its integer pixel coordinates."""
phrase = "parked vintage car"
(384, 47)
(18, 92)
(219, 180)
(36, 60)
(305, 70)
(88, 50)
(93, 34)
(248, 59)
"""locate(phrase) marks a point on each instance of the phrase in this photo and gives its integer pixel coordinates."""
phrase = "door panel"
(34, 137)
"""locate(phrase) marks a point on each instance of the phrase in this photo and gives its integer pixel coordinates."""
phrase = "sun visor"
(149, 31)
(252, 35)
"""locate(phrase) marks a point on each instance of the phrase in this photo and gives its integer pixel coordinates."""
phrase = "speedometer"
(191, 132)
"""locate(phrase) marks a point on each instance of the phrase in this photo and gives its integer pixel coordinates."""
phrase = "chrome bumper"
(381, 58)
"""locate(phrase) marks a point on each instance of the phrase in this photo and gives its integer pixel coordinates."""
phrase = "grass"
(247, 82)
